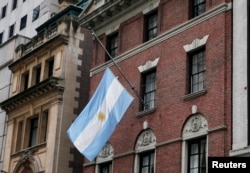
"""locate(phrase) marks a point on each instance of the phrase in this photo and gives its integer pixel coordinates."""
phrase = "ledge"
(32, 93)
(245, 152)
(194, 95)
(145, 112)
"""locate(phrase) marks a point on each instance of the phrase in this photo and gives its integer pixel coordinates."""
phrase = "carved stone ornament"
(106, 153)
(195, 124)
(26, 156)
(145, 140)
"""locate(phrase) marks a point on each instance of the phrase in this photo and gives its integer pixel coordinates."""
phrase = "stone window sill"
(145, 112)
(194, 95)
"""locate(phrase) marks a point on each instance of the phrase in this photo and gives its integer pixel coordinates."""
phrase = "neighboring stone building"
(49, 87)
(177, 54)
(6, 58)
(241, 79)
(18, 22)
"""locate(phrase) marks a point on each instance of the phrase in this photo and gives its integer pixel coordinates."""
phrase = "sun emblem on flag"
(101, 116)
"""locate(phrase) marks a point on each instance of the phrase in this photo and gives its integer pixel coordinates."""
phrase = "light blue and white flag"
(97, 121)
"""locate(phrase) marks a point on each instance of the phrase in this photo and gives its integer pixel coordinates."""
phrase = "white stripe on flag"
(95, 125)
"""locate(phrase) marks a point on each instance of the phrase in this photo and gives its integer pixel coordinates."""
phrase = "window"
(25, 81)
(11, 30)
(14, 4)
(112, 45)
(1, 37)
(197, 156)
(4, 9)
(197, 7)
(104, 159)
(148, 86)
(151, 26)
(36, 77)
(147, 162)
(49, 68)
(36, 12)
(145, 149)
(23, 22)
(197, 71)
(105, 167)
(33, 131)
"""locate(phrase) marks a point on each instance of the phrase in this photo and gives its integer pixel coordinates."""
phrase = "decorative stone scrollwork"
(26, 156)
(106, 153)
(195, 124)
(145, 140)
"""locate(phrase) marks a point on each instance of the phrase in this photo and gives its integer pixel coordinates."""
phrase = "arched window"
(194, 148)
(104, 159)
(145, 152)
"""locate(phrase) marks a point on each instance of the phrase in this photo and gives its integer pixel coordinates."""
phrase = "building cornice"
(105, 12)
(32, 93)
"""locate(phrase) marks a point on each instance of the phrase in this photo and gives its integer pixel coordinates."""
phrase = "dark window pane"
(33, 131)
(51, 68)
(151, 26)
(106, 167)
(148, 89)
(1, 37)
(112, 46)
(36, 13)
(198, 7)
(23, 22)
(147, 162)
(11, 30)
(4, 9)
(25, 81)
(197, 71)
(197, 156)
(14, 4)
(38, 74)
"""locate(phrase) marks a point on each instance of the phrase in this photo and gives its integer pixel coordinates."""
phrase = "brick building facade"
(177, 55)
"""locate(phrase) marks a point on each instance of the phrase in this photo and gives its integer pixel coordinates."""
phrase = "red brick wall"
(128, 32)
(171, 110)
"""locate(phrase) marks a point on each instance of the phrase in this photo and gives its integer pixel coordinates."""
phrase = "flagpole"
(129, 83)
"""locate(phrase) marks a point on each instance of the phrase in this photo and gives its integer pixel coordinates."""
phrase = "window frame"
(28, 134)
(194, 8)
(148, 29)
(197, 141)
(14, 4)
(36, 13)
(4, 11)
(112, 45)
(147, 95)
(11, 30)
(1, 37)
(23, 22)
(25, 81)
(33, 131)
(105, 165)
(49, 67)
(151, 163)
(200, 75)
(36, 74)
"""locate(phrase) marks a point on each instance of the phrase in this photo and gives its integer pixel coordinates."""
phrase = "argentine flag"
(93, 127)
